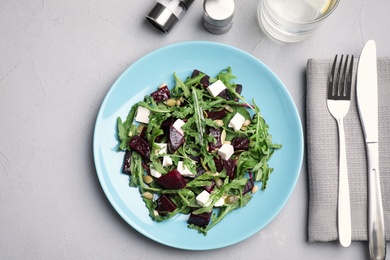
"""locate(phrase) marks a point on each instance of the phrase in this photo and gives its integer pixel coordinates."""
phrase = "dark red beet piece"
(205, 81)
(199, 171)
(175, 139)
(172, 180)
(161, 94)
(224, 94)
(165, 204)
(213, 115)
(248, 186)
(218, 164)
(238, 88)
(138, 144)
(216, 133)
(195, 73)
(240, 143)
(230, 167)
(200, 220)
(168, 123)
(126, 163)
(210, 188)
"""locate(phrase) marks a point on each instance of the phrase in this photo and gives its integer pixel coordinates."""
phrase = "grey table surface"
(58, 59)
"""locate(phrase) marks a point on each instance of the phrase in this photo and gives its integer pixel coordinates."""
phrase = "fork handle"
(344, 207)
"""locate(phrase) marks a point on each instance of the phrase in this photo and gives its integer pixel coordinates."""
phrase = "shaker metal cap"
(162, 18)
(218, 12)
(218, 15)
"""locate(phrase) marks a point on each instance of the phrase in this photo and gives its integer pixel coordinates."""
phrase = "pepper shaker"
(218, 15)
(166, 13)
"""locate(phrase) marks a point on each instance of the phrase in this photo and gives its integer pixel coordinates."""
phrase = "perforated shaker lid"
(218, 13)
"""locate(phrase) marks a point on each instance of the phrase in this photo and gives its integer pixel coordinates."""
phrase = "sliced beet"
(230, 167)
(224, 94)
(248, 186)
(165, 204)
(210, 188)
(238, 88)
(213, 115)
(172, 180)
(205, 81)
(168, 123)
(176, 139)
(218, 164)
(200, 220)
(240, 143)
(161, 94)
(216, 133)
(199, 171)
(126, 163)
(195, 73)
(138, 144)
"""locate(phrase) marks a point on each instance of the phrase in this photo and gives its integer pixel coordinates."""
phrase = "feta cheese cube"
(184, 170)
(155, 173)
(167, 161)
(178, 124)
(220, 202)
(142, 115)
(162, 148)
(216, 88)
(236, 122)
(202, 198)
(226, 151)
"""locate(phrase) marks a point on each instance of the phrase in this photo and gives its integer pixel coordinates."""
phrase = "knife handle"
(376, 226)
(344, 206)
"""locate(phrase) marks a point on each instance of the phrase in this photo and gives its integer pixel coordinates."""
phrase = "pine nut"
(170, 102)
(147, 195)
(147, 179)
(223, 136)
(228, 108)
(254, 189)
(162, 85)
(219, 122)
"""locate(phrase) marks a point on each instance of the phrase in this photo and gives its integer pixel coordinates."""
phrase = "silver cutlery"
(338, 102)
(367, 100)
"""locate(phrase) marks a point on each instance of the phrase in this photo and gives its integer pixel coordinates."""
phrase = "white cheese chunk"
(162, 148)
(142, 115)
(202, 198)
(184, 170)
(155, 173)
(220, 202)
(216, 88)
(167, 161)
(236, 122)
(226, 151)
(178, 124)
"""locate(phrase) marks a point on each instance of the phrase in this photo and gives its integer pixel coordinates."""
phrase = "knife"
(367, 100)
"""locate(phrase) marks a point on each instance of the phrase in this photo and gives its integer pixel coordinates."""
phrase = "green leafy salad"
(198, 149)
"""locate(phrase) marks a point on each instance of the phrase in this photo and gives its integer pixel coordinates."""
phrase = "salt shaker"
(218, 15)
(166, 13)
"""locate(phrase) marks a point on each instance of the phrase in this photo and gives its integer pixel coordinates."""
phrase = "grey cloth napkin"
(322, 155)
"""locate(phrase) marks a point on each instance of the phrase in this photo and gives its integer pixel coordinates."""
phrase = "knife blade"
(367, 101)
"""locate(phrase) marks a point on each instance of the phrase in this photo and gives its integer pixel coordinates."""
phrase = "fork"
(338, 101)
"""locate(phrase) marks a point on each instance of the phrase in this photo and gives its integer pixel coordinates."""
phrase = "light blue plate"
(259, 82)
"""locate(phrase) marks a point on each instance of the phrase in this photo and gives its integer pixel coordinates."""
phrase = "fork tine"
(331, 79)
(339, 78)
(349, 79)
(344, 78)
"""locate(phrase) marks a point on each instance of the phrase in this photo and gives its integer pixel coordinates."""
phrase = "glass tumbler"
(293, 20)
